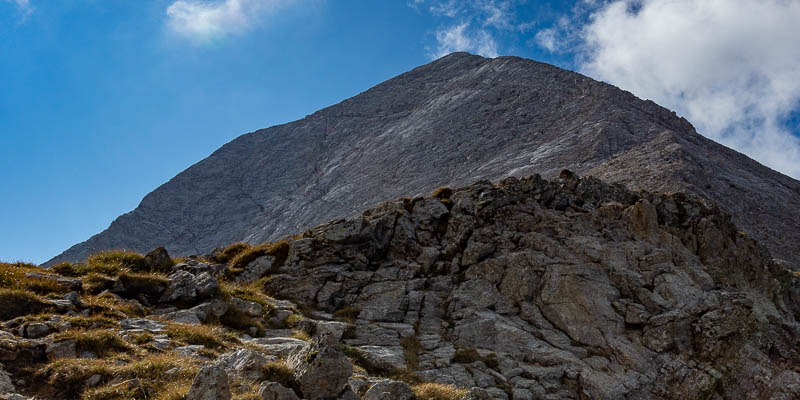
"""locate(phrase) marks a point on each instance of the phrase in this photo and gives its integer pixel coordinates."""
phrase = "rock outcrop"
(556, 290)
(527, 289)
(452, 122)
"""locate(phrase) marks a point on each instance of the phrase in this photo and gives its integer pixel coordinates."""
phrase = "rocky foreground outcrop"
(528, 289)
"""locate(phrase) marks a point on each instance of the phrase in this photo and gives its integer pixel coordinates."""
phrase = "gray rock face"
(275, 391)
(211, 383)
(451, 122)
(321, 369)
(389, 390)
(562, 289)
(6, 386)
(62, 349)
(188, 288)
(244, 363)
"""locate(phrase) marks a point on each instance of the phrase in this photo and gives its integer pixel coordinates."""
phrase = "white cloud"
(23, 6)
(456, 38)
(204, 20)
(731, 67)
(474, 26)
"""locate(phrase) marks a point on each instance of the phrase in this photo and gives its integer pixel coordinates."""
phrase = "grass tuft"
(112, 262)
(212, 337)
(12, 276)
(468, 356)
(16, 303)
(347, 313)
(411, 350)
(230, 252)
(443, 192)
(278, 371)
(437, 391)
(102, 342)
(279, 250)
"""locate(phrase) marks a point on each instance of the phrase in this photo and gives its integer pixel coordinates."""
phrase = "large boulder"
(321, 370)
(185, 287)
(211, 383)
(275, 391)
(244, 363)
(389, 390)
(158, 259)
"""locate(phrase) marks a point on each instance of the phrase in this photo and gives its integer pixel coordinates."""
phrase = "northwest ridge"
(454, 121)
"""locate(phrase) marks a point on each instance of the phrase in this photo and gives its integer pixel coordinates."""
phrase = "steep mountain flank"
(568, 289)
(451, 122)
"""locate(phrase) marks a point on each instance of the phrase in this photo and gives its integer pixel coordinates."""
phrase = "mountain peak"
(456, 120)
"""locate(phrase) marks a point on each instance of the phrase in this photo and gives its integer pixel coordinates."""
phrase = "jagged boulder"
(244, 363)
(158, 259)
(321, 370)
(276, 391)
(389, 390)
(211, 383)
(188, 288)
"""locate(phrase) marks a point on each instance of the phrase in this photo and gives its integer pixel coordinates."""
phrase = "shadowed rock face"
(451, 122)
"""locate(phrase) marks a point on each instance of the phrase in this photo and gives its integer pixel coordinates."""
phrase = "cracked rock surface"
(559, 290)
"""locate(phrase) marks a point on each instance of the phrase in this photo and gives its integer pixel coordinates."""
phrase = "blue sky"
(101, 101)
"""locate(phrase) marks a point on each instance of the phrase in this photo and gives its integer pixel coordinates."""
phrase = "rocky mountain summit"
(528, 289)
(456, 120)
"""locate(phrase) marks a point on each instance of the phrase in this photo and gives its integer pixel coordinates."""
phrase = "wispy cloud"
(472, 25)
(24, 7)
(201, 21)
(731, 68)
(456, 38)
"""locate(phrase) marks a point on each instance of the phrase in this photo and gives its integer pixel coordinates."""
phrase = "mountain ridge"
(451, 122)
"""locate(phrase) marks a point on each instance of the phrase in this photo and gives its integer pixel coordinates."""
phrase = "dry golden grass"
(411, 350)
(113, 261)
(347, 313)
(12, 276)
(278, 371)
(210, 336)
(15, 303)
(279, 250)
(443, 192)
(302, 335)
(102, 342)
(246, 291)
(230, 252)
(110, 306)
(437, 391)
(69, 375)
